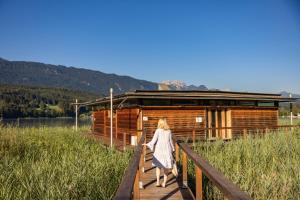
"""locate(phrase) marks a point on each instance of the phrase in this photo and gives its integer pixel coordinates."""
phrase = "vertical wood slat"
(176, 152)
(228, 123)
(184, 169)
(217, 130)
(209, 116)
(223, 123)
(199, 192)
(116, 124)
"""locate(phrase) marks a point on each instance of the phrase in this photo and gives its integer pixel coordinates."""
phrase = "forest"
(27, 101)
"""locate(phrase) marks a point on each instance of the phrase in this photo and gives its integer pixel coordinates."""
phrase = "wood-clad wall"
(258, 118)
(181, 121)
(99, 117)
(124, 123)
(127, 123)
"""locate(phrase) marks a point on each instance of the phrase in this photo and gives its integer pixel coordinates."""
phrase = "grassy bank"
(287, 121)
(57, 163)
(266, 168)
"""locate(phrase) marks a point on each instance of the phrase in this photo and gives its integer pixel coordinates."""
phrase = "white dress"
(164, 147)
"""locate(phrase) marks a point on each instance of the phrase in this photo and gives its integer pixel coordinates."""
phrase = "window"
(266, 104)
(246, 103)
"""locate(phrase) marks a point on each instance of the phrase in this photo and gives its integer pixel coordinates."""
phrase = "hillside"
(46, 75)
(58, 76)
(24, 101)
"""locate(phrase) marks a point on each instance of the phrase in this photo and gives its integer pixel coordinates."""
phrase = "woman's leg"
(157, 175)
(166, 171)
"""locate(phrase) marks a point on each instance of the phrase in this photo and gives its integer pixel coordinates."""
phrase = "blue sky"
(238, 45)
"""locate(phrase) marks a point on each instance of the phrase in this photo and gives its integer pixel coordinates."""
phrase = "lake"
(36, 122)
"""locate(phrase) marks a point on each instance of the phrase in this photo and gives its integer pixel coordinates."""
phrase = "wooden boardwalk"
(173, 189)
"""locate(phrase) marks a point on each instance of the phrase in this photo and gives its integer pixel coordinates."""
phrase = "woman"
(162, 157)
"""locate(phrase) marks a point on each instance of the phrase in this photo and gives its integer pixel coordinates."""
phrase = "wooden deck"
(173, 189)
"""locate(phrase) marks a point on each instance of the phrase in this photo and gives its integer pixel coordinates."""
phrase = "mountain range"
(58, 76)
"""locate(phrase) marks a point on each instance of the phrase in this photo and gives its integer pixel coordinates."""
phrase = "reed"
(57, 163)
(265, 167)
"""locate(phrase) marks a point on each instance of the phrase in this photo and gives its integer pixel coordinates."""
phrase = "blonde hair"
(162, 124)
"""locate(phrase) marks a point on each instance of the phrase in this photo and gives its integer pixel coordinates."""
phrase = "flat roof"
(193, 94)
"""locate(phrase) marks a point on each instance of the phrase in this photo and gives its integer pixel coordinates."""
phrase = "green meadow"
(265, 167)
(57, 163)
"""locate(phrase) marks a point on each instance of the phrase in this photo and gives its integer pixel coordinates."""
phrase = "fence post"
(198, 173)
(136, 187)
(194, 137)
(176, 152)
(184, 169)
(142, 169)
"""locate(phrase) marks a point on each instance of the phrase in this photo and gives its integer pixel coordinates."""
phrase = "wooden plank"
(209, 118)
(223, 123)
(127, 185)
(116, 124)
(228, 124)
(198, 174)
(136, 189)
(184, 169)
(104, 123)
(176, 152)
(172, 191)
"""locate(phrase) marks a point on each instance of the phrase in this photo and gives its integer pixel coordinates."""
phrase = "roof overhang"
(192, 95)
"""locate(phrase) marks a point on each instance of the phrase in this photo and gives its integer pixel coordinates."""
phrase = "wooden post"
(194, 137)
(209, 116)
(136, 188)
(198, 173)
(116, 125)
(142, 169)
(245, 133)
(176, 152)
(111, 117)
(76, 115)
(229, 124)
(291, 111)
(225, 198)
(124, 141)
(184, 170)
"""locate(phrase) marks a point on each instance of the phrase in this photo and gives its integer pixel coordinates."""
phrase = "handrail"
(129, 180)
(236, 127)
(228, 188)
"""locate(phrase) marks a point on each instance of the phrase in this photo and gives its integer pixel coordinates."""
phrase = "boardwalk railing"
(130, 185)
(201, 133)
(228, 188)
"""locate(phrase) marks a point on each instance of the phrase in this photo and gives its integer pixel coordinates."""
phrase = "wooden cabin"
(208, 115)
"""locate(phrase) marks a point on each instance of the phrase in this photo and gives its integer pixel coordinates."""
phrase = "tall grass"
(266, 168)
(57, 163)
